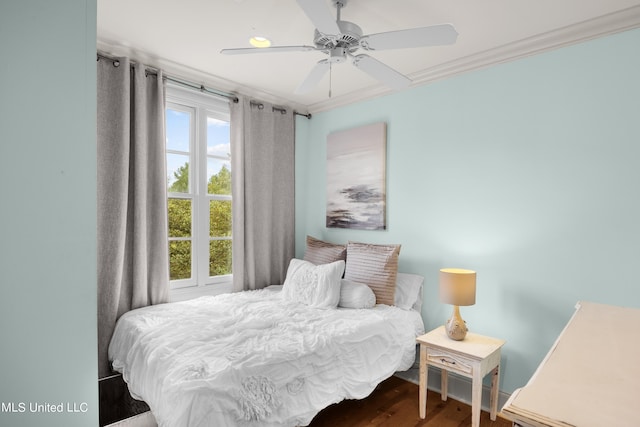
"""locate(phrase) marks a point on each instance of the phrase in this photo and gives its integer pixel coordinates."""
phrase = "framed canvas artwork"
(356, 177)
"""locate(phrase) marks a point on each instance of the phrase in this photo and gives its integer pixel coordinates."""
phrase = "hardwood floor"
(116, 402)
(394, 403)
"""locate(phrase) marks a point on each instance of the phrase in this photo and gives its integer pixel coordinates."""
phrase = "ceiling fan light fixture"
(259, 41)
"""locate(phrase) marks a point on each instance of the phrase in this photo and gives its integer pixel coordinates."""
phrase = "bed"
(270, 357)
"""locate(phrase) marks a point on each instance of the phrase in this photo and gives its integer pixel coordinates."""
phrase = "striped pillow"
(320, 252)
(375, 265)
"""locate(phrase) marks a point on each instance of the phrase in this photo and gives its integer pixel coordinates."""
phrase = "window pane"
(180, 260)
(177, 173)
(219, 176)
(220, 218)
(178, 124)
(219, 257)
(179, 217)
(218, 138)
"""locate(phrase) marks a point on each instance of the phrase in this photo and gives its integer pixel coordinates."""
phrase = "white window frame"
(201, 106)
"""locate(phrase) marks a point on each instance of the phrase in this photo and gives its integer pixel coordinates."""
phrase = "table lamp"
(457, 287)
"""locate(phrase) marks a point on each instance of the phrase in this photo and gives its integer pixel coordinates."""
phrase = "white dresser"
(591, 375)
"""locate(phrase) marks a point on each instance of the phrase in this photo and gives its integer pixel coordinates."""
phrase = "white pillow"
(356, 295)
(317, 286)
(408, 291)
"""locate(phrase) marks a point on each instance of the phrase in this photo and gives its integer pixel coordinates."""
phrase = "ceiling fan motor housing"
(348, 38)
(337, 55)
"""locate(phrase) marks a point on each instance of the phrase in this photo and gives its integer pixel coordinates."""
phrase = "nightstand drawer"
(450, 362)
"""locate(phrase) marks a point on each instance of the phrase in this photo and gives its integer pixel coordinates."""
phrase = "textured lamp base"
(456, 327)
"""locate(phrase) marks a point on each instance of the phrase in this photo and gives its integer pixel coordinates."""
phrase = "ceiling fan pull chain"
(330, 74)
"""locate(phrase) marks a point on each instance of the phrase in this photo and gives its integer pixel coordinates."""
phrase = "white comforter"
(254, 359)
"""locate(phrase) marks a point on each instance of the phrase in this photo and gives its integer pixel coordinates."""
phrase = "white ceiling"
(184, 37)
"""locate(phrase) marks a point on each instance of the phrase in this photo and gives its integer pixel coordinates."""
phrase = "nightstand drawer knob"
(447, 361)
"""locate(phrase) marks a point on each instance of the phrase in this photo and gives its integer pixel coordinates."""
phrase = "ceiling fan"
(341, 39)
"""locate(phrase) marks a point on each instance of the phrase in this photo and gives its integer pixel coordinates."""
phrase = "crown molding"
(623, 20)
(612, 23)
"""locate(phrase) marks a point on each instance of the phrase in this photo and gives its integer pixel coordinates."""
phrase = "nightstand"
(474, 357)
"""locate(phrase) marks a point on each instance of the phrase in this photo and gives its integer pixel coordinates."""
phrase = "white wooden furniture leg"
(423, 381)
(493, 401)
(476, 398)
(444, 384)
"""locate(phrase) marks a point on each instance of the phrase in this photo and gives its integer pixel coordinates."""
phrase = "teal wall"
(527, 172)
(48, 212)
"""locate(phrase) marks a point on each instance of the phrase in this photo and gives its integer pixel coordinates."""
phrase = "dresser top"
(589, 376)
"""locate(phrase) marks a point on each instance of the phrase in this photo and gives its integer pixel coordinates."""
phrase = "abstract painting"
(356, 195)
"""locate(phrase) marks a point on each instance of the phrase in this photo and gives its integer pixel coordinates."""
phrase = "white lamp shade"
(457, 286)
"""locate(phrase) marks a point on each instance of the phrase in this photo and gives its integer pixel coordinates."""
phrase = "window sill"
(187, 293)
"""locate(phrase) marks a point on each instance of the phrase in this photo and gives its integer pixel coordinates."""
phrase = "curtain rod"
(202, 88)
(230, 96)
(283, 110)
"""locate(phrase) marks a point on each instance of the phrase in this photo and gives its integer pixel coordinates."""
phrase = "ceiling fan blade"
(382, 72)
(320, 15)
(273, 49)
(435, 35)
(317, 72)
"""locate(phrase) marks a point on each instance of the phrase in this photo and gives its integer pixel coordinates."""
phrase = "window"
(199, 188)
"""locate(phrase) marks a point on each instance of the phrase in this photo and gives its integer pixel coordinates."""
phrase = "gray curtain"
(132, 207)
(262, 144)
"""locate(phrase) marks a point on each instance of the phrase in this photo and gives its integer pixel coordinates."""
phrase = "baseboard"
(458, 388)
